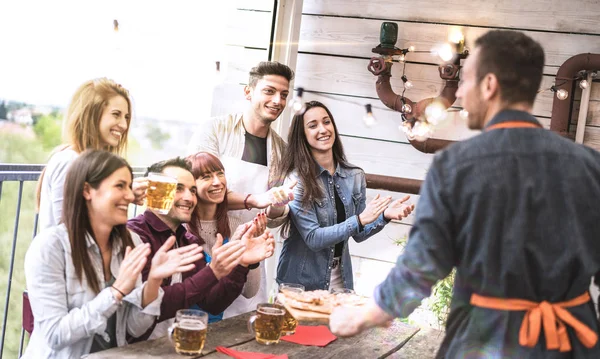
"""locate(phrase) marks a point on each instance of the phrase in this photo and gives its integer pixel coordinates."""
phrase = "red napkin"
(249, 355)
(311, 335)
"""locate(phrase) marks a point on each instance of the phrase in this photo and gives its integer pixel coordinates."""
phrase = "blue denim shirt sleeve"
(428, 256)
(371, 228)
(318, 238)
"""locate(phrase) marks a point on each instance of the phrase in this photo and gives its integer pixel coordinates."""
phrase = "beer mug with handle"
(188, 332)
(266, 324)
(161, 192)
(289, 322)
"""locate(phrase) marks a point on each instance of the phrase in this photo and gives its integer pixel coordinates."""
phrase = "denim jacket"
(308, 252)
(67, 312)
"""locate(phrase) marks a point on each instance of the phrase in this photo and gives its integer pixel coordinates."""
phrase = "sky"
(163, 53)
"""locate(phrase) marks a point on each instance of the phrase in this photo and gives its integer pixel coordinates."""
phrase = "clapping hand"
(374, 208)
(131, 267)
(398, 210)
(226, 256)
(167, 262)
(257, 247)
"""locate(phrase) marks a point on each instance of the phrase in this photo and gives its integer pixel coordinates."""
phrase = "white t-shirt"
(51, 197)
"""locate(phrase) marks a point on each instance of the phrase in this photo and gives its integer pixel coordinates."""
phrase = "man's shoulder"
(139, 225)
(227, 121)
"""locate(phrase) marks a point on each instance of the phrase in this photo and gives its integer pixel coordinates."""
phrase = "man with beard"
(211, 287)
(514, 210)
(250, 152)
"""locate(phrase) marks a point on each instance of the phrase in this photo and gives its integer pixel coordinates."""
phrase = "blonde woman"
(98, 118)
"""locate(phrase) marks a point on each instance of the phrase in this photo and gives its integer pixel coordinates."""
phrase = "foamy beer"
(266, 324)
(188, 332)
(289, 322)
(161, 192)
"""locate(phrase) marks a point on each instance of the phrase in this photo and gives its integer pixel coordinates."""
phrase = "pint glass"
(188, 332)
(161, 192)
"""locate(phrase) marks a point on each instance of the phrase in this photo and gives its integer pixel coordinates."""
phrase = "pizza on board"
(321, 301)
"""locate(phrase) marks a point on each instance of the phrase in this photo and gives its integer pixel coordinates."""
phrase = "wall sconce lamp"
(418, 117)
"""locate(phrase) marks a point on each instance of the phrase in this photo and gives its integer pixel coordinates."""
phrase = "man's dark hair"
(158, 167)
(516, 60)
(265, 68)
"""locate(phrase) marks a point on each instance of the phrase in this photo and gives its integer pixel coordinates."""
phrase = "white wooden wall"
(335, 46)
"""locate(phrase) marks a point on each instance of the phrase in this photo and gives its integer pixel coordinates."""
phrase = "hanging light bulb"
(368, 118)
(562, 94)
(445, 52)
(435, 113)
(406, 127)
(422, 130)
(402, 58)
(411, 48)
(583, 84)
(464, 114)
(298, 105)
(407, 83)
(406, 108)
(456, 36)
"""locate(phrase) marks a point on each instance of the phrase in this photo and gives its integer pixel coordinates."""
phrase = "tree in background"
(3, 111)
(48, 130)
(157, 136)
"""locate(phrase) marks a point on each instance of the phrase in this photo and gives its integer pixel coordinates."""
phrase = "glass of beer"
(188, 332)
(289, 322)
(266, 324)
(161, 192)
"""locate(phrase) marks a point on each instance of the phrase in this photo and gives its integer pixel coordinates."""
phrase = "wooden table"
(233, 333)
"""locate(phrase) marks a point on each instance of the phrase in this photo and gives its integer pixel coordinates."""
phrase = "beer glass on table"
(161, 192)
(266, 324)
(289, 322)
(188, 332)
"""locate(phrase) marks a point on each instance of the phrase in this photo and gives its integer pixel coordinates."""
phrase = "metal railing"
(22, 173)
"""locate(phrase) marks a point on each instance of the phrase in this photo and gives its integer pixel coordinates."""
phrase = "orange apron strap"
(512, 124)
(551, 316)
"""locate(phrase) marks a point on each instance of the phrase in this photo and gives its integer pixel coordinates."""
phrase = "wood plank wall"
(335, 46)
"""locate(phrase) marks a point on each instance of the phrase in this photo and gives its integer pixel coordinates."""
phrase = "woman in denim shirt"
(84, 276)
(329, 205)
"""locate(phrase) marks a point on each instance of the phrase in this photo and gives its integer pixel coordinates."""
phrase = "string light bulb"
(368, 118)
(411, 48)
(407, 83)
(298, 105)
(445, 52)
(435, 113)
(562, 94)
(583, 84)
(406, 127)
(422, 130)
(406, 108)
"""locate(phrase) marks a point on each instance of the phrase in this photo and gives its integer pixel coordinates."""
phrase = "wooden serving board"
(304, 316)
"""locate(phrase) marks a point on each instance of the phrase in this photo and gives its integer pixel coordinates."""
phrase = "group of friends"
(512, 209)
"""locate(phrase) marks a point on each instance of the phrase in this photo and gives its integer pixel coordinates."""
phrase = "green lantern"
(388, 35)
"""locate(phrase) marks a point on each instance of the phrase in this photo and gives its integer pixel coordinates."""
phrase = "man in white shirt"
(250, 152)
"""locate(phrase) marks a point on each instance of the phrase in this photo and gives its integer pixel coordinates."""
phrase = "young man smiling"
(251, 152)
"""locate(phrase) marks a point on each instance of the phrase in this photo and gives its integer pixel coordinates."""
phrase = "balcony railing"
(21, 173)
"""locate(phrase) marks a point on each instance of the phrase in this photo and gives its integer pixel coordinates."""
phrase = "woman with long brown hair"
(98, 118)
(329, 205)
(83, 275)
